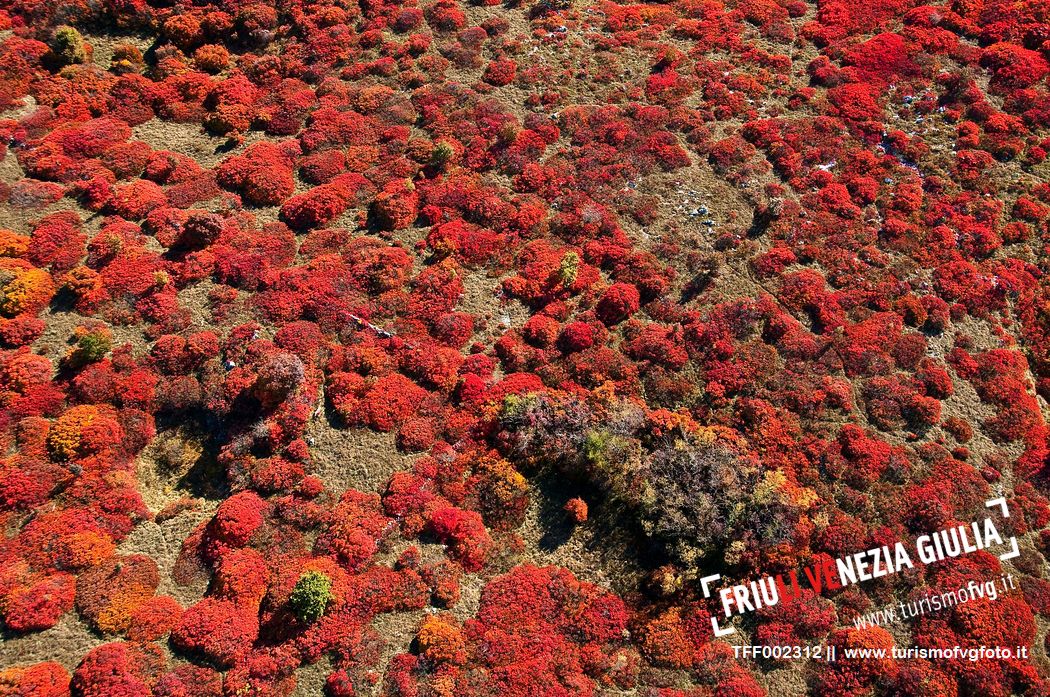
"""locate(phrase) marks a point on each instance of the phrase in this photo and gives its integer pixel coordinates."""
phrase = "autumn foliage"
(430, 303)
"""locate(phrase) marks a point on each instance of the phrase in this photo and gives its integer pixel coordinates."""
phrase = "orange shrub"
(24, 289)
(441, 641)
(64, 437)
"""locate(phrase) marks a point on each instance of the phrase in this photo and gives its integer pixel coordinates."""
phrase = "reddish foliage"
(46, 679)
(492, 238)
(619, 302)
(465, 535)
(219, 630)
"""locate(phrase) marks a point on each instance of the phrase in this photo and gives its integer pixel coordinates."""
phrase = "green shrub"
(442, 153)
(93, 346)
(68, 46)
(311, 596)
(569, 268)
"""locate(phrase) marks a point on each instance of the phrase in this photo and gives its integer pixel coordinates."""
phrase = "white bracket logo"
(719, 631)
(1014, 550)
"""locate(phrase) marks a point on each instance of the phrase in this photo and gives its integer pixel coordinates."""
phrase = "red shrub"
(329, 127)
(238, 518)
(188, 679)
(619, 302)
(1013, 66)
(356, 526)
(856, 101)
(883, 58)
(154, 619)
(397, 205)
(390, 401)
(464, 533)
(851, 677)
(263, 173)
(135, 200)
(445, 15)
(242, 577)
(57, 241)
(47, 679)
(500, 72)
(220, 631)
(117, 669)
(108, 594)
(470, 243)
(323, 166)
(39, 605)
(319, 206)
(577, 510)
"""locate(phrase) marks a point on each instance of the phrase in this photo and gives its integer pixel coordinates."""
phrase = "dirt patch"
(493, 313)
(191, 140)
(59, 326)
(603, 551)
(398, 631)
(65, 643)
(27, 107)
(10, 170)
(696, 199)
(195, 298)
(102, 47)
(162, 542)
(785, 682)
(168, 465)
(470, 587)
(353, 458)
(310, 679)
